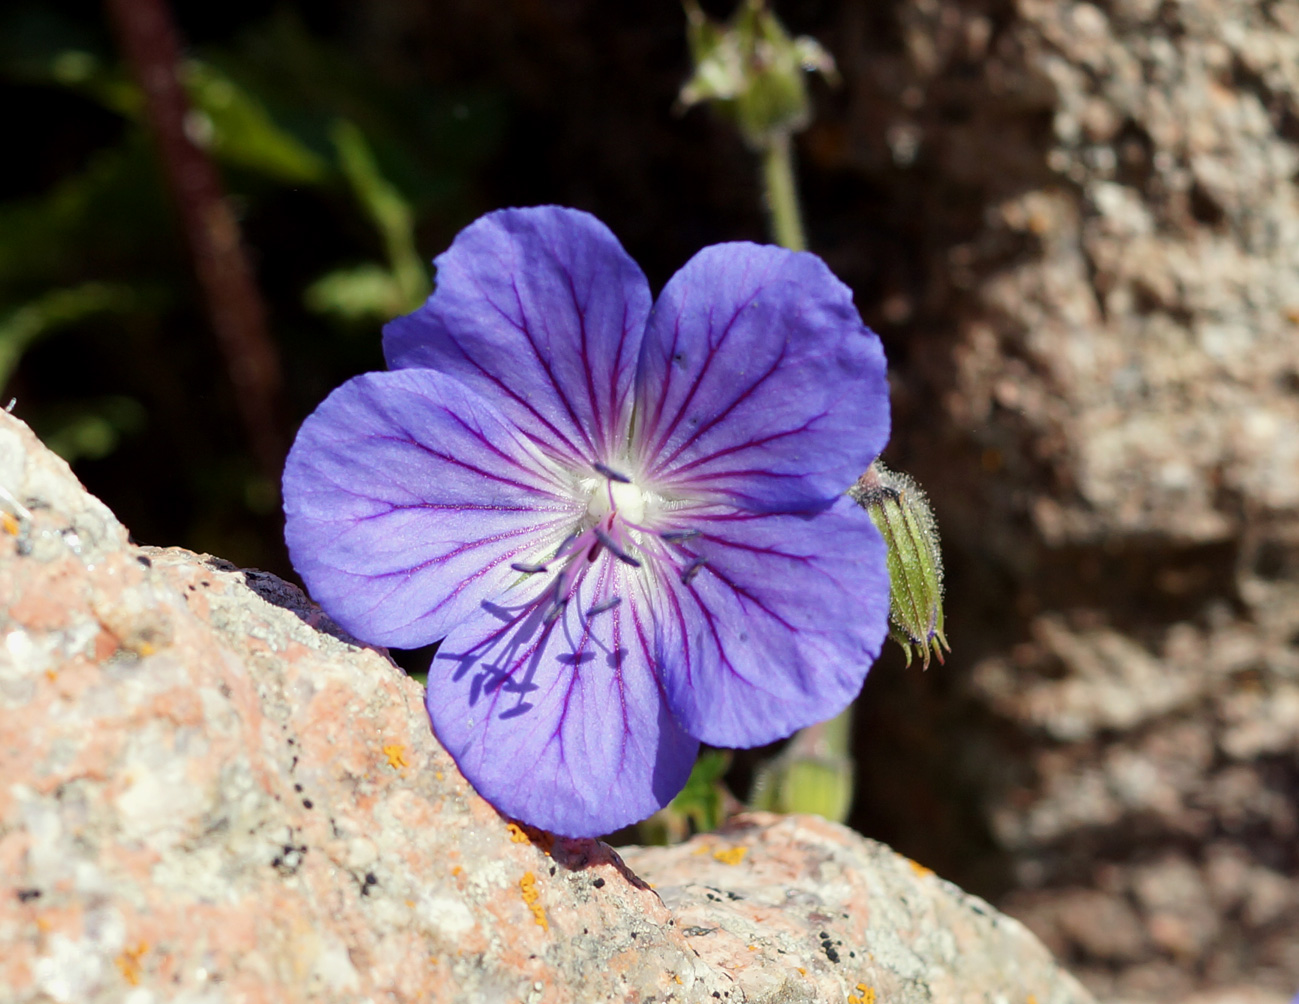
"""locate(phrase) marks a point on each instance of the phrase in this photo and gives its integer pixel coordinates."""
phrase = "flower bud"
(900, 510)
(814, 773)
(753, 70)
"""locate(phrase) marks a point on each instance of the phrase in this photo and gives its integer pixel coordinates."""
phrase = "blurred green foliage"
(700, 807)
(346, 181)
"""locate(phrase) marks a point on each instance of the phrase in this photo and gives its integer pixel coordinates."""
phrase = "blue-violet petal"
(543, 311)
(758, 384)
(407, 499)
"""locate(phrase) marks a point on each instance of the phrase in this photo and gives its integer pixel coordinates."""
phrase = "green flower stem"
(815, 772)
(781, 192)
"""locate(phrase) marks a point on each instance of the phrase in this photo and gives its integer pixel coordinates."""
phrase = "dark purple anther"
(692, 569)
(610, 473)
(527, 568)
(677, 536)
(617, 551)
(604, 605)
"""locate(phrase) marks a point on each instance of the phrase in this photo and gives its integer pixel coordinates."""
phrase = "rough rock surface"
(210, 793)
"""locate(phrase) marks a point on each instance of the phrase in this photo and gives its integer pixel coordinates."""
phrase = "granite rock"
(211, 793)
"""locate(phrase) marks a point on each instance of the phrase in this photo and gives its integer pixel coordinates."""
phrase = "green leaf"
(387, 209)
(364, 293)
(239, 130)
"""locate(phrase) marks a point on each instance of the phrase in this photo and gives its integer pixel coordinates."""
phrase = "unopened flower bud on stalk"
(901, 511)
(753, 70)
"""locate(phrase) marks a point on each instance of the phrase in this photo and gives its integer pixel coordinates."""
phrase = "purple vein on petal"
(574, 450)
(545, 364)
(580, 309)
(714, 349)
(744, 395)
(404, 575)
(738, 447)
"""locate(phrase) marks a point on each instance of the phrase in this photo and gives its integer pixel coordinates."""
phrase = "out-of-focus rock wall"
(1091, 230)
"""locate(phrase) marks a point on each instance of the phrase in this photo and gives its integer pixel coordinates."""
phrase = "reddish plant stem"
(151, 45)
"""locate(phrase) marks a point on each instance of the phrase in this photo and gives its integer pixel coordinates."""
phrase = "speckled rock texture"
(1086, 269)
(209, 793)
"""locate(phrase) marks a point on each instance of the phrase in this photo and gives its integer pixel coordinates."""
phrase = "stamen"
(692, 569)
(618, 552)
(604, 605)
(610, 473)
(677, 536)
(557, 601)
(527, 568)
(567, 543)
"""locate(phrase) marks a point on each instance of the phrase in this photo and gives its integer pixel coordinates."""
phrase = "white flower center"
(627, 499)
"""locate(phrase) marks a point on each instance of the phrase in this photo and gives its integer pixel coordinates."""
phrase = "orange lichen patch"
(528, 886)
(439, 775)
(456, 870)
(10, 524)
(396, 754)
(523, 833)
(802, 971)
(680, 982)
(702, 849)
(128, 963)
(865, 995)
(919, 869)
(730, 855)
(1032, 999)
(1291, 315)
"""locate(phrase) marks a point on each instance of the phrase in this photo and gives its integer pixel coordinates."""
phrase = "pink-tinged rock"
(797, 908)
(209, 793)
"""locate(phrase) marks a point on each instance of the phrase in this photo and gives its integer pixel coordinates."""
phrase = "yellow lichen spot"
(802, 971)
(1032, 999)
(456, 870)
(919, 869)
(10, 524)
(702, 849)
(680, 982)
(51, 675)
(396, 755)
(1291, 315)
(439, 775)
(731, 855)
(522, 833)
(128, 963)
(410, 903)
(528, 886)
(854, 999)
(753, 948)
(867, 994)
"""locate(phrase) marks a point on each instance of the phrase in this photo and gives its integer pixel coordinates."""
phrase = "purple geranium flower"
(624, 520)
